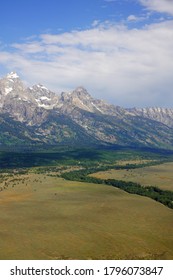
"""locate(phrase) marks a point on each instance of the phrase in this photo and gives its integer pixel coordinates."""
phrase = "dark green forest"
(91, 160)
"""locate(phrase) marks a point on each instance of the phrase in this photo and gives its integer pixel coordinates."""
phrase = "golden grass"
(50, 218)
(158, 175)
(134, 161)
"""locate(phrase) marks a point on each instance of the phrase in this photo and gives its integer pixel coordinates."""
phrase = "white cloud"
(95, 23)
(126, 67)
(132, 18)
(33, 47)
(163, 6)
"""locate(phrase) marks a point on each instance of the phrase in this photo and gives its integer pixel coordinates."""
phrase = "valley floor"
(44, 217)
(158, 175)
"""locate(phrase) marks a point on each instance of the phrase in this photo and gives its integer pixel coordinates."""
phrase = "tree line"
(163, 196)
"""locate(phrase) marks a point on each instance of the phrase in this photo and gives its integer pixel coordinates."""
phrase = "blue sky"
(120, 51)
(20, 19)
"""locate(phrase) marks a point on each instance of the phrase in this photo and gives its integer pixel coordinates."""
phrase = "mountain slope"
(36, 116)
(163, 115)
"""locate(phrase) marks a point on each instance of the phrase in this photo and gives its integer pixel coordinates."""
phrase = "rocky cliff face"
(19, 102)
(36, 115)
(163, 115)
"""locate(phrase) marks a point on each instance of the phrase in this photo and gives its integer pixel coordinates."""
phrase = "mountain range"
(37, 117)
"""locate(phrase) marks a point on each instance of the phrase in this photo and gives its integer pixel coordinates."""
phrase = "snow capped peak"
(12, 75)
(39, 87)
(11, 84)
(43, 96)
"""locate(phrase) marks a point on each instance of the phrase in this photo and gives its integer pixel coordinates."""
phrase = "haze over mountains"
(36, 116)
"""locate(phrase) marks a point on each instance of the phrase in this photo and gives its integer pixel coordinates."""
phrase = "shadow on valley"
(81, 156)
(25, 160)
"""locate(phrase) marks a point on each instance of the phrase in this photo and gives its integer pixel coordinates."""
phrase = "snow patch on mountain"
(8, 90)
(12, 75)
(96, 107)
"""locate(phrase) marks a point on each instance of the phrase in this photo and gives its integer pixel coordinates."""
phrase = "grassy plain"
(45, 217)
(159, 175)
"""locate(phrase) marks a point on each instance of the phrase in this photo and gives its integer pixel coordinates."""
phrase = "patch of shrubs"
(163, 196)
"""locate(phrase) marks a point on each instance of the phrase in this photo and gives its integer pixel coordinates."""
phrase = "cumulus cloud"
(163, 6)
(95, 23)
(132, 18)
(128, 67)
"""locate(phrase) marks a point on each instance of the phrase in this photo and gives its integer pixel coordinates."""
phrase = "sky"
(120, 51)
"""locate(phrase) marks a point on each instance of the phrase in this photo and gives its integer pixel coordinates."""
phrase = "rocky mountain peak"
(81, 92)
(39, 87)
(54, 119)
(11, 85)
(43, 96)
(163, 115)
(12, 76)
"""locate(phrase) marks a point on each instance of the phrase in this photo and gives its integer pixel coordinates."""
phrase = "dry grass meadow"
(158, 175)
(45, 217)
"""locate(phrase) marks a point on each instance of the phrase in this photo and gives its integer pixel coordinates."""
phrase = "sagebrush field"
(53, 208)
(50, 218)
(159, 175)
